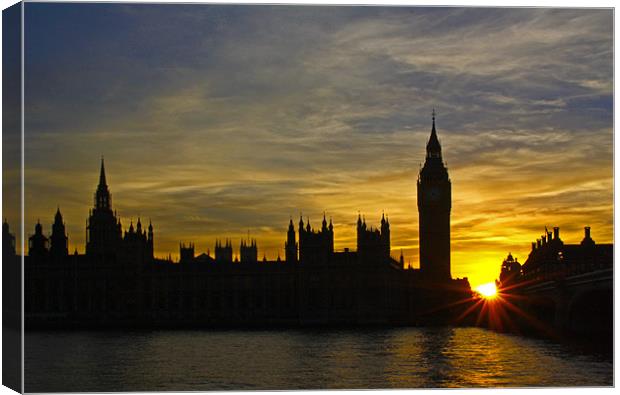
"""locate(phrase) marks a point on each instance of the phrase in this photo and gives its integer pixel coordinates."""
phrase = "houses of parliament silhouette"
(119, 281)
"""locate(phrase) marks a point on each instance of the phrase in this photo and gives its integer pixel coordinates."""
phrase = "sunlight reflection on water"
(390, 358)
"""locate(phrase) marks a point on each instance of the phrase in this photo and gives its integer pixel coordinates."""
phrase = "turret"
(360, 233)
(385, 238)
(38, 243)
(119, 228)
(103, 233)
(8, 240)
(248, 251)
(587, 240)
(59, 241)
(510, 271)
(290, 247)
(103, 200)
(186, 252)
(149, 242)
(223, 253)
(150, 234)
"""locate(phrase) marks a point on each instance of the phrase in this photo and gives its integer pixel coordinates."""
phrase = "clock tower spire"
(434, 204)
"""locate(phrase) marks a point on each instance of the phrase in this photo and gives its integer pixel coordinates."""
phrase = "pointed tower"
(330, 232)
(360, 233)
(103, 236)
(150, 234)
(103, 200)
(149, 242)
(434, 205)
(59, 247)
(290, 247)
(385, 238)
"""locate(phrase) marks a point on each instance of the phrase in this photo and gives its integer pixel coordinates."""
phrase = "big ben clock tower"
(434, 203)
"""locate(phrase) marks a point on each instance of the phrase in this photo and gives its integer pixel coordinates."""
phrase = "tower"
(37, 243)
(103, 200)
(58, 240)
(223, 254)
(186, 252)
(149, 241)
(290, 247)
(434, 204)
(8, 240)
(248, 251)
(103, 236)
(385, 238)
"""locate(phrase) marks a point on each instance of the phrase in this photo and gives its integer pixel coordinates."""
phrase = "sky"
(216, 121)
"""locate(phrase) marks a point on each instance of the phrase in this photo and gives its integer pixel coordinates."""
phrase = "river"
(303, 359)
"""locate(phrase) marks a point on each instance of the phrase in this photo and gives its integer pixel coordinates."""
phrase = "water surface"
(296, 359)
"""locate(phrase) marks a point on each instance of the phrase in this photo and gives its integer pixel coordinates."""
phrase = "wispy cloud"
(216, 120)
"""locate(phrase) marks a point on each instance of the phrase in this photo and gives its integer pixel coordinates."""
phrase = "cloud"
(216, 120)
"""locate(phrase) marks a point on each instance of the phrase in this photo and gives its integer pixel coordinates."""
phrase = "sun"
(487, 290)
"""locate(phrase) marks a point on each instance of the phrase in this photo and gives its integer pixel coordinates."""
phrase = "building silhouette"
(8, 240)
(186, 252)
(434, 204)
(510, 272)
(291, 246)
(316, 247)
(38, 244)
(223, 253)
(565, 289)
(119, 281)
(248, 251)
(59, 242)
(373, 245)
(552, 259)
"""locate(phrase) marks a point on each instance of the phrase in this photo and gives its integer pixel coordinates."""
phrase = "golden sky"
(229, 119)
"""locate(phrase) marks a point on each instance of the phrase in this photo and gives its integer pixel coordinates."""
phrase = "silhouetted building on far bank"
(561, 289)
(510, 271)
(550, 259)
(118, 281)
(434, 205)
